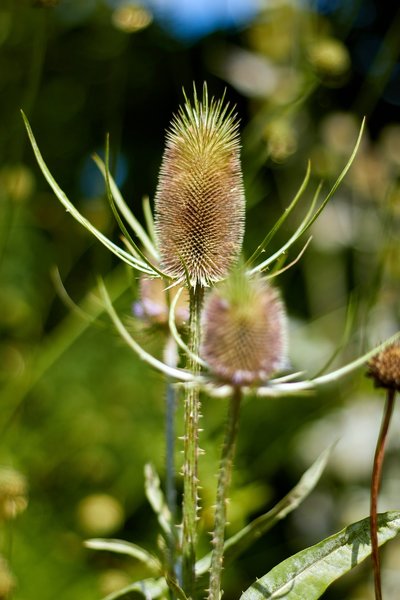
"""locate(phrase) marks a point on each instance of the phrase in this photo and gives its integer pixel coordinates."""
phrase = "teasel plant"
(384, 370)
(193, 246)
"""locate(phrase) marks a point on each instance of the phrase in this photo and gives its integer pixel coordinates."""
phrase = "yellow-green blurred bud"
(329, 57)
(13, 493)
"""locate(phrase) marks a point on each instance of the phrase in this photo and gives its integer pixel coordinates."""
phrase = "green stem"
(171, 359)
(191, 449)
(224, 478)
(375, 485)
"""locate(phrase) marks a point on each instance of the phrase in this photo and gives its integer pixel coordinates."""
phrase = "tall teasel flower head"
(199, 224)
(244, 330)
(199, 203)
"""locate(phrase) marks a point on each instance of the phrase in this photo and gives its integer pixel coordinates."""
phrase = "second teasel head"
(199, 203)
(244, 330)
(384, 367)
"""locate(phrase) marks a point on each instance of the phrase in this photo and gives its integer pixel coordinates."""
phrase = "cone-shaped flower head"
(384, 367)
(199, 203)
(244, 330)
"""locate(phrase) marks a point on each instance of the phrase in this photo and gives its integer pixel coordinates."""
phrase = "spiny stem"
(375, 485)
(191, 448)
(170, 358)
(224, 478)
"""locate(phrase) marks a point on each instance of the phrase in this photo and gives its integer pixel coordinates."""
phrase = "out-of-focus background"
(79, 415)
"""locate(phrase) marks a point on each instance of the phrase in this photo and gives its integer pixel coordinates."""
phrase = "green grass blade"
(310, 572)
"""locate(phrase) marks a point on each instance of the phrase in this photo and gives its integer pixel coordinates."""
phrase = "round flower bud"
(384, 367)
(244, 331)
(329, 57)
(199, 203)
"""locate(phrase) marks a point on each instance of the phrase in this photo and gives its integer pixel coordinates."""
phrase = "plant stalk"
(191, 448)
(375, 485)
(171, 359)
(224, 479)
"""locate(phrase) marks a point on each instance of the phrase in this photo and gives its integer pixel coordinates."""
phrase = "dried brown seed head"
(199, 203)
(244, 331)
(384, 367)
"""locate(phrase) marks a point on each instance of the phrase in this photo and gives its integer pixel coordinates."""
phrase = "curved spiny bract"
(199, 203)
(244, 331)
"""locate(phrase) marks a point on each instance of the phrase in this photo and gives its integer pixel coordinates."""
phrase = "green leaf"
(308, 573)
(149, 588)
(156, 499)
(128, 549)
(249, 534)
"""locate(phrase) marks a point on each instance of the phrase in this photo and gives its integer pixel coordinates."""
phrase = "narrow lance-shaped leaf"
(308, 573)
(128, 549)
(156, 498)
(149, 588)
(238, 543)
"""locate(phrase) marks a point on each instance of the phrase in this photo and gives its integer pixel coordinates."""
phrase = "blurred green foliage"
(80, 416)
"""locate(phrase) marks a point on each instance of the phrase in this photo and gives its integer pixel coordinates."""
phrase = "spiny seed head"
(244, 330)
(384, 367)
(199, 203)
